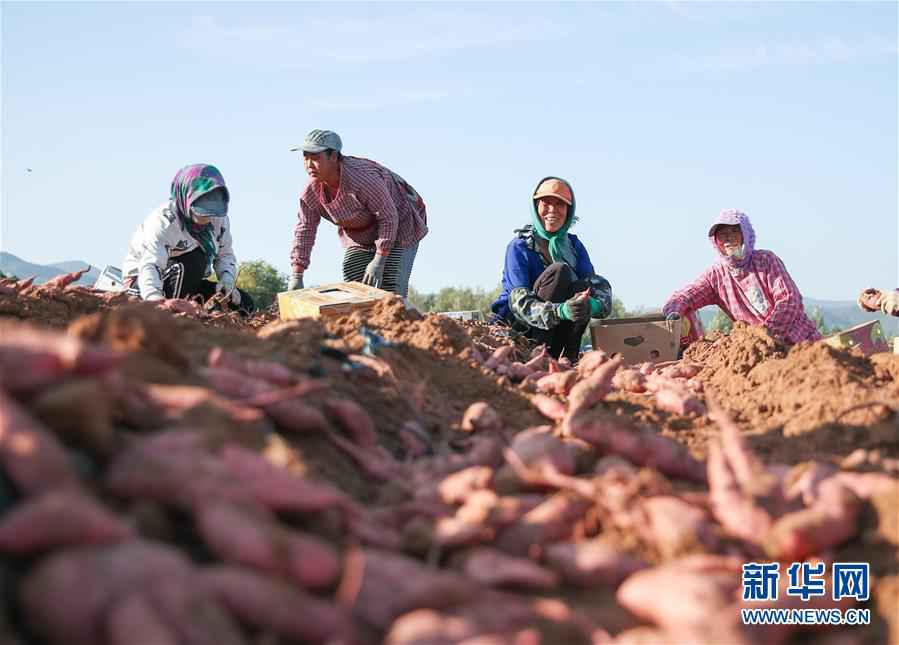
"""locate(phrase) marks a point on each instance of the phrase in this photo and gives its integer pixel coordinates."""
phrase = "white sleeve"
(225, 260)
(154, 255)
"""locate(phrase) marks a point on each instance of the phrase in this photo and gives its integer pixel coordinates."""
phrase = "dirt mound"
(739, 351)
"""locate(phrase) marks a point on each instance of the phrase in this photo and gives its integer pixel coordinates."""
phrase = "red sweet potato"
(292, 415)
(457, 487)
(558, 383)
(551, 521)
(277, 489)
(354, 420)
(590, 361)
(549, 407)
(132, 620)
(255, 539)
(273, 605)
(679, 400)
(64, 280)
(594, 388)
(501, 356)
(29, 454)
(591, 563)
(60, 608)
(832, 520)
(629, 380)
(737, 511)
(493, 568)
(59, 519)
(412, 585)
(480, 417)
(675, 527)
(31, 359)
(268, 371)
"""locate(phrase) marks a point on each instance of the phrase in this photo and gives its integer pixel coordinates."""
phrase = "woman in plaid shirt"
(748, 284)
(380, 218)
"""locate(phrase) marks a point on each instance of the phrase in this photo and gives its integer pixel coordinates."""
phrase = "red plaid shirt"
(783, 314)
(374, 207)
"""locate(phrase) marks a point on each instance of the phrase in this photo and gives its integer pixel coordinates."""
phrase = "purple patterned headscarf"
(190, 183)
(733, 217)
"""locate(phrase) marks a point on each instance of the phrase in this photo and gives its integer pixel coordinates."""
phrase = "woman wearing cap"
(550, 290)
(748, 284)
(380, 218)
(178, 245)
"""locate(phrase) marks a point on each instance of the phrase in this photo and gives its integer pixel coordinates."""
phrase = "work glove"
(374, 272)
(295, 282)
(889, 302)
(576, 309)
(225, 287)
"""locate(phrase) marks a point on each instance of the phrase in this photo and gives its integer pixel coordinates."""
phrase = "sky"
(660, 114)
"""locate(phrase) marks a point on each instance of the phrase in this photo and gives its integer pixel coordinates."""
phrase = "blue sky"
(660, 114)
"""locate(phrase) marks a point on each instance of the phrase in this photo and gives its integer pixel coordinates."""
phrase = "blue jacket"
(524, 264)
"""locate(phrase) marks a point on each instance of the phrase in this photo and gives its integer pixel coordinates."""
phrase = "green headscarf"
(560, 249)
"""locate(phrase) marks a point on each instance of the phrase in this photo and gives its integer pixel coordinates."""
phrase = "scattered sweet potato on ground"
(480, 417)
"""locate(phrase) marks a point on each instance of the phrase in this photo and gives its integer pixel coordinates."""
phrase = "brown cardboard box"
(646, 338)
(328, 301)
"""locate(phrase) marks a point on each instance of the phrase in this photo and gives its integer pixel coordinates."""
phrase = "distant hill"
(840, 314)
(14, 265)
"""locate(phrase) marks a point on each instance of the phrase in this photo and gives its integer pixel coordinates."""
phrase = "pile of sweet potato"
(140, 512)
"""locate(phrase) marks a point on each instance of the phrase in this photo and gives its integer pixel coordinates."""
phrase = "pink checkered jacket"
(755, 289)
(374, 208)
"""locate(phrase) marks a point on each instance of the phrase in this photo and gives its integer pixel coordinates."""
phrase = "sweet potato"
(58, 519)
(273, 605)
(629, 380)
(64, 280)
(594, 388)
(255, 539)
(132, 620)
(481, 417)
(551, 521)
(557, 383)
(501, 356)
(457, 487)
(277, 489)
(354, 420)
(737, 511)
(549, 407)
(638, 446)
(832, 520)
(31, 359)
(268, 371)
(678, 400)
(493, 568)
(591, 563)
(675, 527)
(291, 415)
(31, 457)
(63, 610)
(685, 592)
(412, 585)
(590, 361)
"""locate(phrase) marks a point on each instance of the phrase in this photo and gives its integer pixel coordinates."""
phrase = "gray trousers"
(396, 272)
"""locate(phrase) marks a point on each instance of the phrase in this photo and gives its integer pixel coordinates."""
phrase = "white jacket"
(161, 237)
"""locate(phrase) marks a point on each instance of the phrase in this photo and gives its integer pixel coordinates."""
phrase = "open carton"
(638, 340)
(868, 337)
(328, 301)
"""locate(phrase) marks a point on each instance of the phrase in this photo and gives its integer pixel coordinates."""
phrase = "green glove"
(596, 308)
(564, 312)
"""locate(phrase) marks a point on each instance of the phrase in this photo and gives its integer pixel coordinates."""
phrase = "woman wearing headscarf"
(748, 284)
(178, 246)
(550, 290)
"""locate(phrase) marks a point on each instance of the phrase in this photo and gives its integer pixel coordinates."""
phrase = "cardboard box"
(638, 340)
(328, 301)
(474, 315)
(868, 337)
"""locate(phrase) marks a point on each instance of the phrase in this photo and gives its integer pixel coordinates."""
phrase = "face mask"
(212, 204)
(733, 251)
